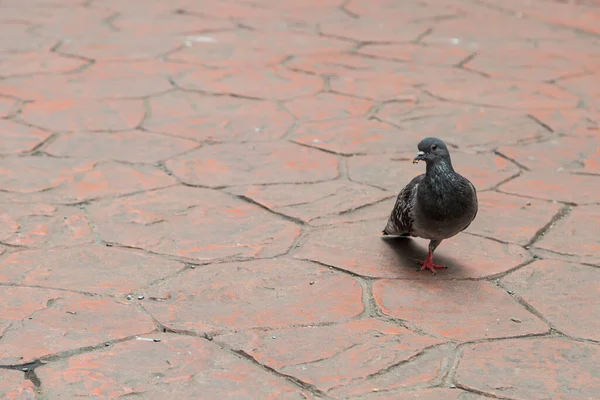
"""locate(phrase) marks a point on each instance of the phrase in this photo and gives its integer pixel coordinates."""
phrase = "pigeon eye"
(433, 146)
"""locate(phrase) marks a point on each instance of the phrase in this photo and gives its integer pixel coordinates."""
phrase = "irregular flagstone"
(360, 248)
(40, 322)
(263, 293)
(160, 365)
(318, 202)
(35, 225)
(334, 355)
(93, 269)
(14, 386)
(564, 293)
(533, 369)
(196, 224)
(464, 310)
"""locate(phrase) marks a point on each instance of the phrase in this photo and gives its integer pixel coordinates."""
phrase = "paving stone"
(17, 39)
(417, 54)
(14, 386)
(8, 106)
(44, 322)
(130, 147)
(104, 80)
(275, 83)
(425, 369)
(68, 181)
(574, 154)
(382, 29)
(393, 172)
(582, 17)
(525, 65)
(331, 356)
(487, 29)
(325, 106)
(260, 293)
(36, 63)
(576, 234)
(505, 94)
(316, 203)
(217, 92)
(176, 367)
(18, 138)
(93, 269)
(116, 47)
(253, 163)
(347, 65)
(466, 126)
(251, 49)
(426, 394)
(519, 220)
(464, 311)
(386, 87)
(360, 249)
(577, 122)
(36, 225)
(377, 211)
(176, 24)
(275, 18)
(216, 119)
(404, 11)
(197, 224)
(85, 115)
(584, 85)
(355, 136)
(524, 369)
(564, 293)
(58, 21)
(553, 185)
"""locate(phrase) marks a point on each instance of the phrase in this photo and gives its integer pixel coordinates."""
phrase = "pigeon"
(436, 205)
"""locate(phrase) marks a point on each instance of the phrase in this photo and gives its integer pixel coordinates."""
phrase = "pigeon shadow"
(410, 255)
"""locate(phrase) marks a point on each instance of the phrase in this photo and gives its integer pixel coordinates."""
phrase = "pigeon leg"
(428, 263)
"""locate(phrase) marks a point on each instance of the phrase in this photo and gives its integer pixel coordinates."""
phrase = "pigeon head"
(432, 150)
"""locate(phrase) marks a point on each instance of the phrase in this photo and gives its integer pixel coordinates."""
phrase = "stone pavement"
(192, 194)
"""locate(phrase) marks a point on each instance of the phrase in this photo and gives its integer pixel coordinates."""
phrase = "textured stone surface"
(35, 225)
(576, 235)
(84, 115)
(14, 386)
(574, 154)
(360, 249)
(332, 356)
(130, 147)
(199, 224)
(216, 119)
(317, 203)
(268, 293)
(464, 310)
(177, 367)
(552, 185)
(238, 164)
(561, 292)
(44, 322)
(69, 181)
(223, 169)
(17, 138)
(427, 368)
(94, 269)
(510, 218)
(524, 368)
(462, 125)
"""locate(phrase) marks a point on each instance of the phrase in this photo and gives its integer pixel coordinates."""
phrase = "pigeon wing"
(400, 220)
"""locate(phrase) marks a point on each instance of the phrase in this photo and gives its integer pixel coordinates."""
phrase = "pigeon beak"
(420, 156)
